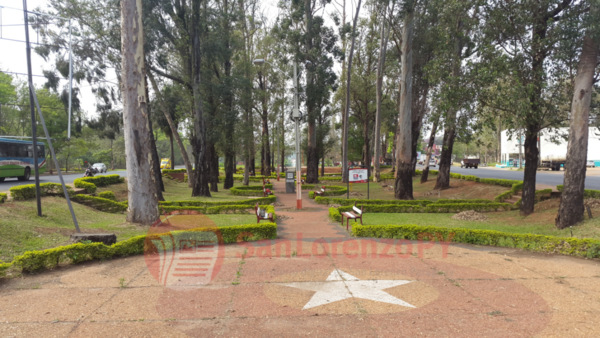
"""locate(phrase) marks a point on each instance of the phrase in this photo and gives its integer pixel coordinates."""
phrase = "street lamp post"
(296, 118)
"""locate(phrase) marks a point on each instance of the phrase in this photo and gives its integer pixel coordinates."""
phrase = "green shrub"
(587, 193)
(34, 261)
(26, 192)
(589, 248)
(480, 200)
(99, 203)
(169, 171)
(90, 188)
(109, 195)
(222, 209)
(251, 201)
(3, 197)
(500, 182)
(343, 201)
(253, 190)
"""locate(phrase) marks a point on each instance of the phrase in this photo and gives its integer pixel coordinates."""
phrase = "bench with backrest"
(266, 217)
(354, 214)
(320, 193)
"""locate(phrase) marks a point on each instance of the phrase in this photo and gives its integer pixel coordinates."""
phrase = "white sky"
(13, 53)
(13, 57)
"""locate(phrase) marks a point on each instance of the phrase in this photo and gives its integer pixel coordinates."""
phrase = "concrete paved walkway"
(315, 280)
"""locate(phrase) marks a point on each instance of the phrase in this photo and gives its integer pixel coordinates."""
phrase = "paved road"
(547, 178)
(11, 182)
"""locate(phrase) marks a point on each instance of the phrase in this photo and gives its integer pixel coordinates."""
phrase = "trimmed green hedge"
(99, 203)
(91, 183)
(589, 248)
(90, 188)
(330, 190)
(475, 200)
(250, 201)
(3, 197)
(251, 190)
(500, 182)
(169, 171)
(343, 201)
(109, 195)
(222, 209)
(35, 261)
(27, 192)
(587, 193)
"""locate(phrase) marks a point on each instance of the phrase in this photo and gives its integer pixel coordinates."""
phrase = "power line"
(27, 106)
(34, 43)
(2, 71)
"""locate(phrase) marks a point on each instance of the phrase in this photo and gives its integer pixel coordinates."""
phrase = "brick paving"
(456, 291)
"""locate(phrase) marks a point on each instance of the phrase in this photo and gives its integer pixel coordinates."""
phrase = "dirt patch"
(334, 205)
(355, 193)
(592, 203)
(551, 204)
(460, 189)
(470, 215)
(283, 217)
(277, 204)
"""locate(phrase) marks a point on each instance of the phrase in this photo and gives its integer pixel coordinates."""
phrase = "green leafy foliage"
(256, 190)
(169, 171)
(589, 248)
(251, 201)
(27, 192)
(99, 203)
(587, 193)
(343, 201)
(3, 197)
(35, 261)
(109, 195)
(478, 200)
(90, 188)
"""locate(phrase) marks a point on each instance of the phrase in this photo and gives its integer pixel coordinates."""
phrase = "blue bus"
(16, 159)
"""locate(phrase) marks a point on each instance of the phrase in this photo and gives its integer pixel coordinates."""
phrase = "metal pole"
(298, 164)
(62, 182)
(33, 122)
(70, 80)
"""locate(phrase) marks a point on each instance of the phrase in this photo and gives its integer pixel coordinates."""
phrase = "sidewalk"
(317, 280)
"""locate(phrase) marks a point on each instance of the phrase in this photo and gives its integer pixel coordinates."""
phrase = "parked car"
(432, 163)
(590, 163)
(165, 163)
(101, 167)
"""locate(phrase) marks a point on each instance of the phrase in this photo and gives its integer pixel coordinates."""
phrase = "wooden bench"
(354, 214)
(266, 217)
(320, 193)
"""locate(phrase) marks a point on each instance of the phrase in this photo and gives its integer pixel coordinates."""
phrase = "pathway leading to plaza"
(316, 280)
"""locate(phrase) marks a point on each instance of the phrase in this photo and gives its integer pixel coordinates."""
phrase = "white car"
(101, 167)
(590, 163)
(432, 163)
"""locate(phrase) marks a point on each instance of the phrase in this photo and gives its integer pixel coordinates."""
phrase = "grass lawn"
(22, 230)
(541, 222)
(459, 189)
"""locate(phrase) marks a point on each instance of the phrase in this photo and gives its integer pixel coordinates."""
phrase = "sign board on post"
(358, 175)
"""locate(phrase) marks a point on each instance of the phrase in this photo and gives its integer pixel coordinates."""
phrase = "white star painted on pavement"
(340, 285)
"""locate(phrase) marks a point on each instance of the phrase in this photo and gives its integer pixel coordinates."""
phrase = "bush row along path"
(326, 284)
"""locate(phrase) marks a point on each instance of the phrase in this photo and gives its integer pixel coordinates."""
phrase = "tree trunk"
(425, 174)
(202, 173)
(214, 168)
(403, 187)
(416, 125)
(499, 156)
(347, 103)
(571, 207)
(379, 85)
(443, 179)
(143, 202)
(172, 152)
(366, 149)
(174, 132)
(160, 187)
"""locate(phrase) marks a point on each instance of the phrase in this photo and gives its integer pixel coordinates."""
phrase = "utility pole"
(33, 121)
(296, 116)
